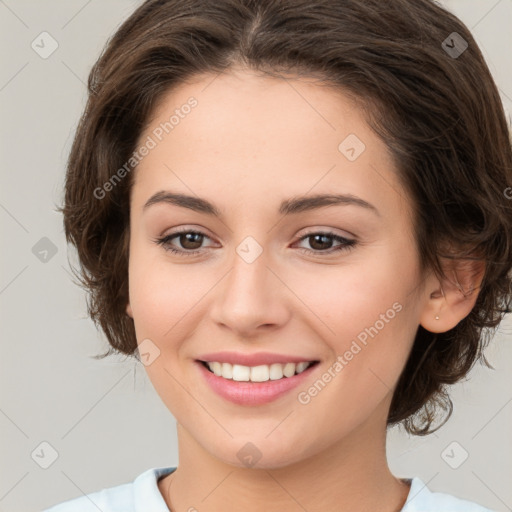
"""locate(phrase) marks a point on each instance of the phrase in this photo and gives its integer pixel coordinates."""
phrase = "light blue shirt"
(143, 495)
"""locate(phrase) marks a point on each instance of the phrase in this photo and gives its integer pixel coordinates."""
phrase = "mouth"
(257, 374)
(255, 385)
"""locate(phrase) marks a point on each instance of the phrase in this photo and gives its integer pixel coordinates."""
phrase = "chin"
(258, 452)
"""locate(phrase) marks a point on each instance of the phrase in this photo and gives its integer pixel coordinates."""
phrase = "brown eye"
(189, 242)
(323, 243)
(320, 242)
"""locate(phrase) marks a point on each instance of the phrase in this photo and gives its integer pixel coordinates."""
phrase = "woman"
(295, 215)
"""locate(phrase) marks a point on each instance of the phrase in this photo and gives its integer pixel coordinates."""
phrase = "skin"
(251, 143)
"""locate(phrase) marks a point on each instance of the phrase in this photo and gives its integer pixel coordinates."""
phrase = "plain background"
(103, 420)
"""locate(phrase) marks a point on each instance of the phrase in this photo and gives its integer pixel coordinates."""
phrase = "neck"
(352, 475)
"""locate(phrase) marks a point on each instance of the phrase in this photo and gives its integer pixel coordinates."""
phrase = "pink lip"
(252, 393)
(256, 359)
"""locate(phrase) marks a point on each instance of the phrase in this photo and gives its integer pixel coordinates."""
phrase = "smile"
(260, 373)
(254, 385)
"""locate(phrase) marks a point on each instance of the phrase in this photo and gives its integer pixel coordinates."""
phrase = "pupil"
(189, 238)
(320, 237)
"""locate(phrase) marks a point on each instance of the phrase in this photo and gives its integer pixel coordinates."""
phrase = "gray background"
(103, 418)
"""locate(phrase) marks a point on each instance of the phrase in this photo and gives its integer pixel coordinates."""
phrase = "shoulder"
(113, 499)
(422, 499)
(129, 497)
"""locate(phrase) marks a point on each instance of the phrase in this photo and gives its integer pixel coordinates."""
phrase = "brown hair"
(438, 112)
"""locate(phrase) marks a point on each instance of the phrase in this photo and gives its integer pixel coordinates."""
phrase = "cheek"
(365, 314)
(372, 340)
(349, 299)
(164, 298)
(162, 295)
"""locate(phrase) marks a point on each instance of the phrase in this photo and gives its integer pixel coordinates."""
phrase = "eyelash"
(347, 244)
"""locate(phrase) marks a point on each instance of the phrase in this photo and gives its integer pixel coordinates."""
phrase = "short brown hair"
(431, 100)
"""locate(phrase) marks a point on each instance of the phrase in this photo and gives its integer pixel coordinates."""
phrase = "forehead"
(234, 104)
(251, 134)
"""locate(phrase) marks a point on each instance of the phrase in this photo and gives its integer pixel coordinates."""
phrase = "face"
(264, 270)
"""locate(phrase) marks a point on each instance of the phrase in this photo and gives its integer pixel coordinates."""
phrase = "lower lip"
(253, 393)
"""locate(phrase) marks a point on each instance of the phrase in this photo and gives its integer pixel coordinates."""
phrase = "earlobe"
(451, 300)
(129, 311)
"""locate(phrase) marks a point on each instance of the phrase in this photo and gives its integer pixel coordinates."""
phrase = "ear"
(129, 311)
(450, 299)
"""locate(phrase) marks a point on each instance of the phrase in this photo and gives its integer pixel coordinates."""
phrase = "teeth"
(260, 373)
(227, 370)
(216, 368)
(301, 367)
(240, 373)
(276, 371)
(289, 369)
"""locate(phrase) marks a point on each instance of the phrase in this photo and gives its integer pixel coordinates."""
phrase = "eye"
(191, 242)
(319, 241)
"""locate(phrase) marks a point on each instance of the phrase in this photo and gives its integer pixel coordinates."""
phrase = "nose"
(251, 298)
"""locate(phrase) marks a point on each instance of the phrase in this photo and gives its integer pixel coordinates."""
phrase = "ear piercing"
(442, 293)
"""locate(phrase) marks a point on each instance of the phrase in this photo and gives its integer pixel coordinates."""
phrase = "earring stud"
(437, 317)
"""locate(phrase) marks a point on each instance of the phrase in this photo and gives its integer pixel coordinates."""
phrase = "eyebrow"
(290, 206)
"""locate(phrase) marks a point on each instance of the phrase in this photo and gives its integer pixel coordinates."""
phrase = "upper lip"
(256, 359)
